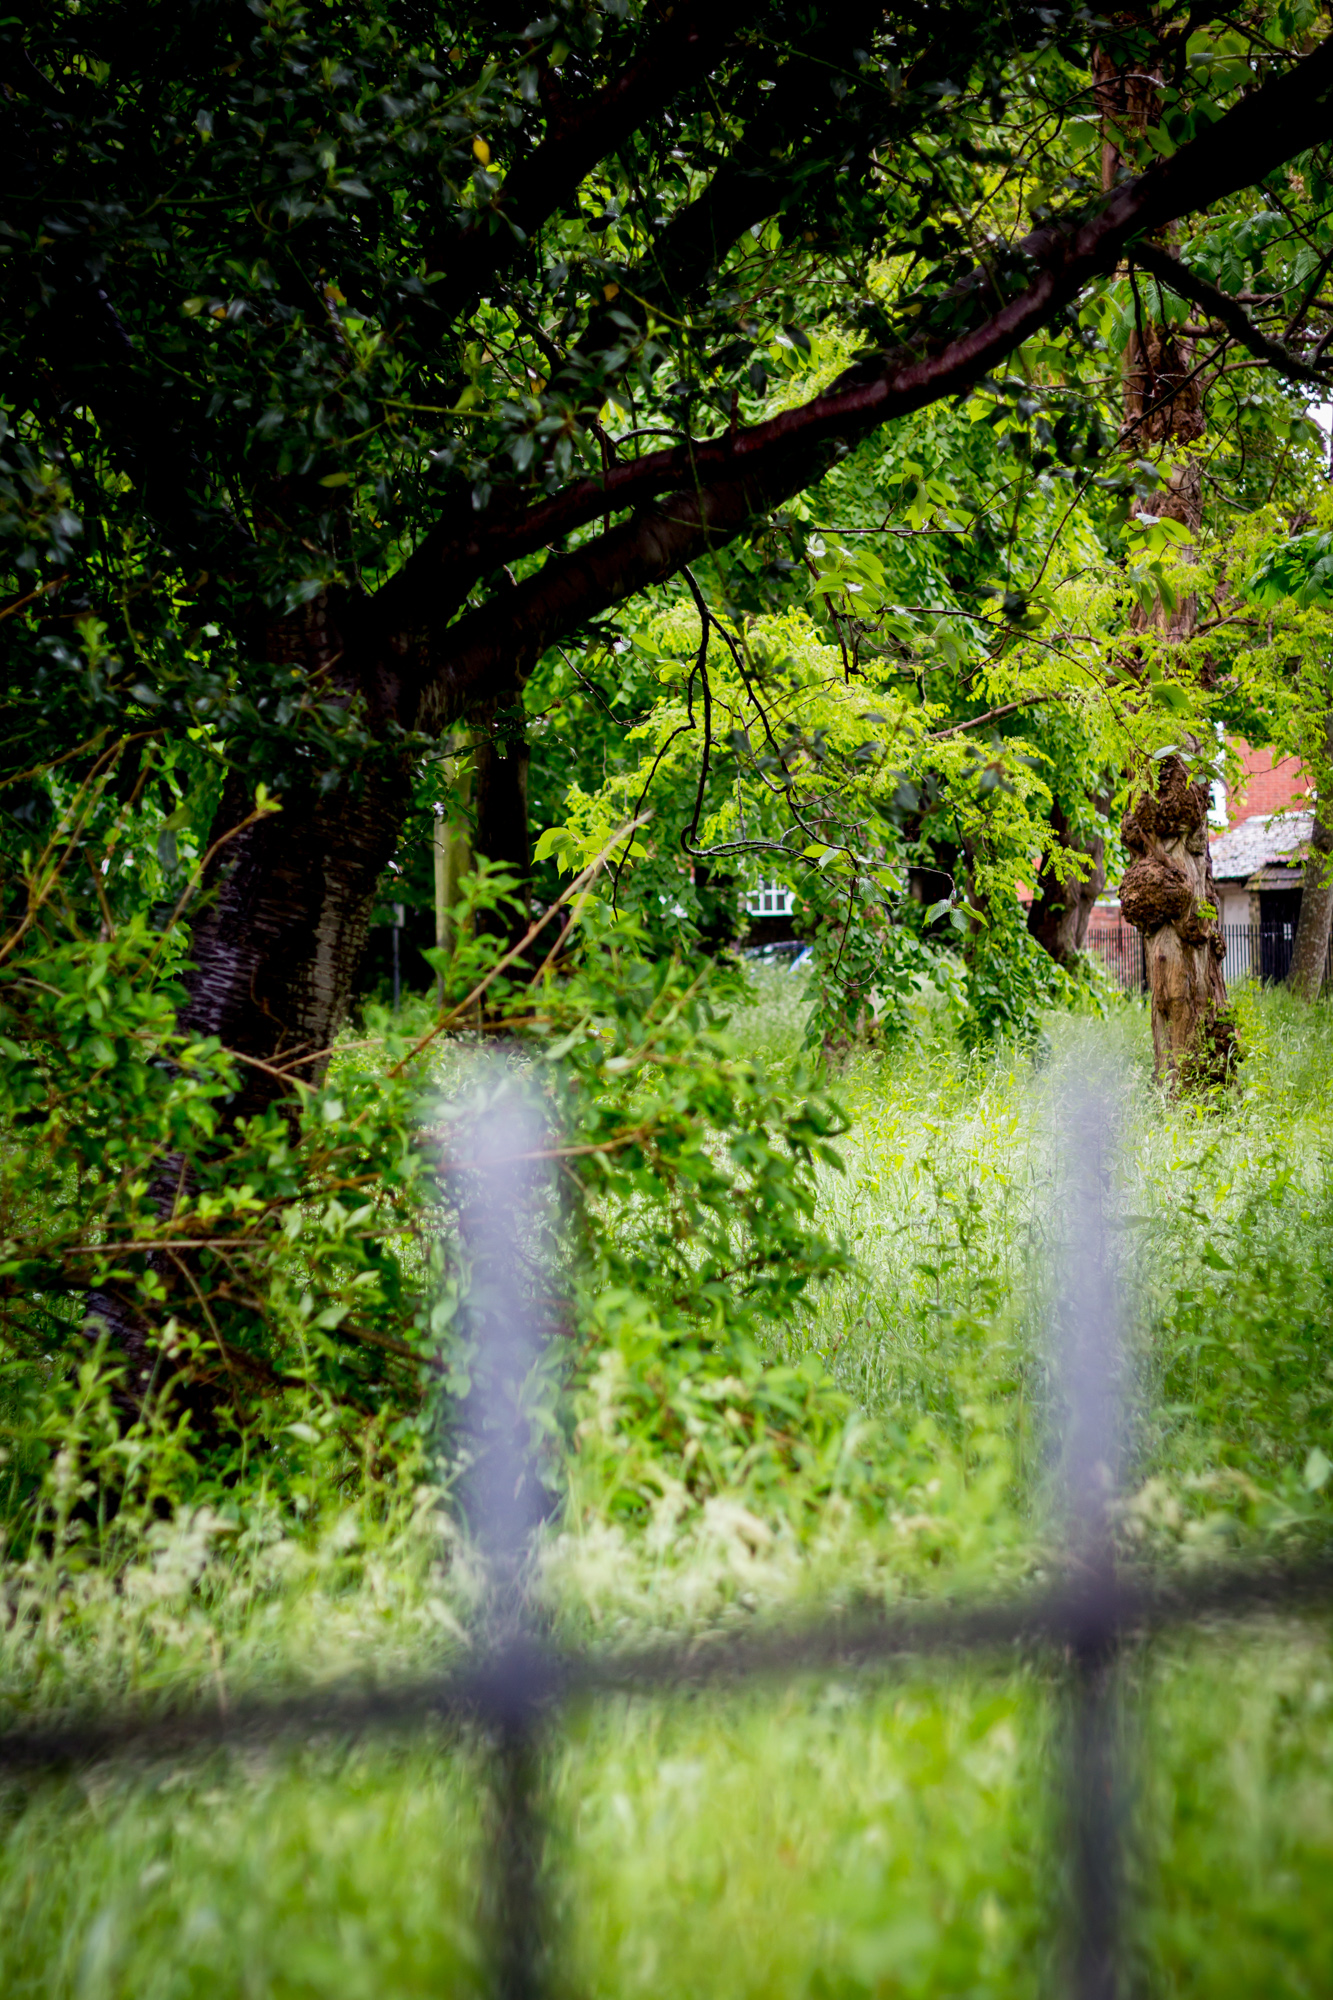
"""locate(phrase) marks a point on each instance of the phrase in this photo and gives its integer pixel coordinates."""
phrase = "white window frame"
(770, 899)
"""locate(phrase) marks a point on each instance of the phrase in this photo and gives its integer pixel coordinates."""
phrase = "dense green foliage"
(262, 352)
(295, 330)
(357, 365)
(869, 1839)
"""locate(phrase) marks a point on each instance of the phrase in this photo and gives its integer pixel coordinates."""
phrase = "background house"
(1258, 854)
(1258, 865)
(1258, 860)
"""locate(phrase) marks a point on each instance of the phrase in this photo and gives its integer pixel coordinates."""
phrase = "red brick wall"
(1265, 787)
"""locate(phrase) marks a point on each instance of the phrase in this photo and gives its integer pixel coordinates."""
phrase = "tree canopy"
(727, 407)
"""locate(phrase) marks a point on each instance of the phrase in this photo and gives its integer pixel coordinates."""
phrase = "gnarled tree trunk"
(1163, 894)
(1168, 886)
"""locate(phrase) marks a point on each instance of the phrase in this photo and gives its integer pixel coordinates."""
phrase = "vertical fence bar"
(1088, 1365)
(499, 1217)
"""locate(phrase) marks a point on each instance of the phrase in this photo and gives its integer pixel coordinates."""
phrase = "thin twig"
(993, 714)
(516, 951)
(18, 603)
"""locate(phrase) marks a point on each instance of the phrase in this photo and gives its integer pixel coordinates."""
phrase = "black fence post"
(499, 1219)
(1088, 1359)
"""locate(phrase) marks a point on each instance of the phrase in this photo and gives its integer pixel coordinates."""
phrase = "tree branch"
(674, 57)
(725, 483)
(764, 174)
(1219, 305)
(994, 714)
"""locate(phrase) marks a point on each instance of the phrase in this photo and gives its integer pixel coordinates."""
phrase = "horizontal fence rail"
(511, 1686)
(535, 1678)
(1253, 951)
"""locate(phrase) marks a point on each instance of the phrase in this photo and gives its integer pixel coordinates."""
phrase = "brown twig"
(18, 603)
(993, 714)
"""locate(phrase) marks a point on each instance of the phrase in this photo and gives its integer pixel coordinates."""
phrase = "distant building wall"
(1237, 904)
(1265, 787)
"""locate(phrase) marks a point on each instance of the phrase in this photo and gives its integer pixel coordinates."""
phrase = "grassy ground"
(832, 1839)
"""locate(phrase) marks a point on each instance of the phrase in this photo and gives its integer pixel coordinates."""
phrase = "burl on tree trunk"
(1165, 892)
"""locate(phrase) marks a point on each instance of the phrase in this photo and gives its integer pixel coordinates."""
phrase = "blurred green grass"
(826, 1839)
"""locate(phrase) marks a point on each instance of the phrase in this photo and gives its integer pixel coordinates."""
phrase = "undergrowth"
(883, 1433)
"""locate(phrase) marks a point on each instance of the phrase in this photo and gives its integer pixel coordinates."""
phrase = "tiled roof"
(1257, 843)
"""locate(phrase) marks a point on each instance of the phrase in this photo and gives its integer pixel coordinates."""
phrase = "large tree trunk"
(1169, 884)
(1065, 899)
(283, 914)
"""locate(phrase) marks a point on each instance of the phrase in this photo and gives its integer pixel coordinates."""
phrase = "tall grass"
(831, 1839)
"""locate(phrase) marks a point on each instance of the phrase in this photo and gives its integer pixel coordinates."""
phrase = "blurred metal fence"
(1253, 951)
(1120, 948)
(512, 1686)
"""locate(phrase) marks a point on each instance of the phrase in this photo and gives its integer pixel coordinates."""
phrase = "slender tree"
(1314, 926)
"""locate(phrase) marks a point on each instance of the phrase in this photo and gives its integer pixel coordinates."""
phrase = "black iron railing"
(1253, 951)
(513, 1686)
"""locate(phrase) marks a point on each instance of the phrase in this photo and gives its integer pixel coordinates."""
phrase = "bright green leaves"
(1300, 569)
(1150, 573)
(1135, 306)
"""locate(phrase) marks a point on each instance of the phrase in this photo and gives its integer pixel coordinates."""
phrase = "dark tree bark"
(1065, 899)
(1305, 975)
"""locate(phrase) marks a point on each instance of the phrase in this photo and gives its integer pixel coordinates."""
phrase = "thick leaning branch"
(1285, 118)
(508, 636)
(93, 350)
(1219, 305)
(744, 191)
(728, 482)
